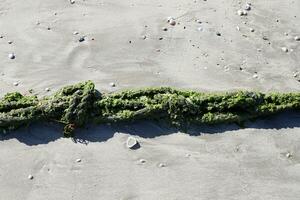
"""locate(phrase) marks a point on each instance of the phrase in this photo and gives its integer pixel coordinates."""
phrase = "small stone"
(297, 38)
(131, 142)
(10, 42)
(47, 89)
(255, 76)
(252, 30)
(75, 33)
(284, 49)
(286, 34)
(15, 83)
(72, 1)
(165, 29)
(78, 160)
(11, 56)
(218, 33)
(238, 28)
(112, 84)
(144, 37)
(30, 177)
(1, 36)
(161, 38)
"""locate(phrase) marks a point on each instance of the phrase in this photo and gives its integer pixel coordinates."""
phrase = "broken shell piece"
(142, 161)
(172, 22)
(112, 84)
(242, 12)
(284, 49)
(161, 165)
(247, 6)
(288, 155)
(11, 56)
(131, 142)
(47, 89)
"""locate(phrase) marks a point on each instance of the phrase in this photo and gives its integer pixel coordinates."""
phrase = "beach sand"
(131, 44)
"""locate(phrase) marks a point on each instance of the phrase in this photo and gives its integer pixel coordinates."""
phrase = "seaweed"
(76, 105)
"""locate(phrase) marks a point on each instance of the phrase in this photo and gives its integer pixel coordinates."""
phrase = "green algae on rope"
(76, 105)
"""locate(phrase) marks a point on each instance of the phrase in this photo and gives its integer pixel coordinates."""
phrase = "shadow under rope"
(42, 133)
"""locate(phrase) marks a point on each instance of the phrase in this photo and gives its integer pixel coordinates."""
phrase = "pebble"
(131, 142)
(252, 30)
(78, 160)
(15, 83)
(297, 38)
(284, 49)
(30, 177)
(47, 89)
(75, 33)
(255, 76)
(72, 1)
(1, 36)
(144, 37)
(11, 56)
(238, 28)
(218, 33)
(112, 84)
(10, 42)
(165, 29)
(48, 28)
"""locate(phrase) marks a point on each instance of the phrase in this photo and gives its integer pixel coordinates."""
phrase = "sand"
(130, 44)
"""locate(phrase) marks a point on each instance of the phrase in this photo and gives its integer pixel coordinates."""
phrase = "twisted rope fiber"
(76, 105)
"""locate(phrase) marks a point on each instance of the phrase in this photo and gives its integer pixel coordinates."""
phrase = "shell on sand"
(131, 142)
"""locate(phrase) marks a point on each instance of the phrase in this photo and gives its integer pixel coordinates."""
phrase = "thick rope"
(79, 104)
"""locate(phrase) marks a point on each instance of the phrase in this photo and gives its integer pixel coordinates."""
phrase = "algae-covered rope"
(79, 104)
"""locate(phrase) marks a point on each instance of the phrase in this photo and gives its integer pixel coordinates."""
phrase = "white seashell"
(11, 56)
(131, 142)
(284, 49)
